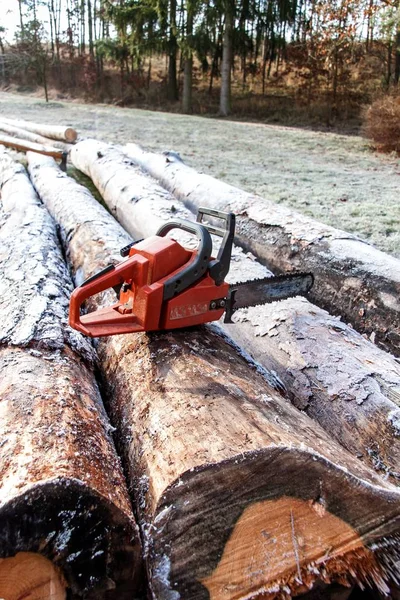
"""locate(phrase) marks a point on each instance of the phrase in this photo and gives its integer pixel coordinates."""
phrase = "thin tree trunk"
(90, 26)
(397, 57)
(173, 94)
(188, 67)
(227, 59)
(220, 474)
(353, 279)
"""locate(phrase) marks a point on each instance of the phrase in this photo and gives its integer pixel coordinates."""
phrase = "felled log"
(239, 495)
(55, 132)
(63, 498)
(24, 134)
(353, 279)
(343, 381)
(25, 146)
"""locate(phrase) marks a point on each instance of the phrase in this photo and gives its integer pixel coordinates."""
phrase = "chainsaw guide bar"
(264, 291)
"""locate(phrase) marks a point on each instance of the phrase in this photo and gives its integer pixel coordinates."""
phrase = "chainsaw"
(162, 285)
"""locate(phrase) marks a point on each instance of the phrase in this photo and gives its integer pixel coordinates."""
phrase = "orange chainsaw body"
(142, 305)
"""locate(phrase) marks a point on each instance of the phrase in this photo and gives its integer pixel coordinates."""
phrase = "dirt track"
(334, 178)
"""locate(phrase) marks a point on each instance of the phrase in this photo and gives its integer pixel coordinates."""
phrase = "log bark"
(239, 495)
(342, 380)
(23, 134)
(55, 132)
(353, 279)
(25, 146)
(62, 492)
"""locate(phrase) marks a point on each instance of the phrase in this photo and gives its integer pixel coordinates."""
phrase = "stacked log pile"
(238, 493)
(353, 279)
(50, 140)
(65, 517)
(346, 383)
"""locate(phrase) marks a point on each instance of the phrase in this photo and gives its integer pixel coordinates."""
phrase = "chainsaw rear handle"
(109, 277)
(197, 266)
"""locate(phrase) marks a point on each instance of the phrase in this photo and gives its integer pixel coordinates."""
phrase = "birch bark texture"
(340, 379)
(352, 278)
(228, 476)
(62, 492)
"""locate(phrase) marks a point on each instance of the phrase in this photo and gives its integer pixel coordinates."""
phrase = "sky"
(9, 17)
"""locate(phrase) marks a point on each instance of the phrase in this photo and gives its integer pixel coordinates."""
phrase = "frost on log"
(55, 132)
(65, 515)
(353, 279)
(239, 495)
(343, 381)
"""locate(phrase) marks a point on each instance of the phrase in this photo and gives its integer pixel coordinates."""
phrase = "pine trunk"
(226, 67)
(188, 68)
(353, 279)
(65, 516)
(229, 477)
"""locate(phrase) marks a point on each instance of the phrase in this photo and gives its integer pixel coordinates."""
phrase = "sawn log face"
(207, 442)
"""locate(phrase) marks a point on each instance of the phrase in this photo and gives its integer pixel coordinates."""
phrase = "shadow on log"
(353, 279)
(62, 491)
(239, 495)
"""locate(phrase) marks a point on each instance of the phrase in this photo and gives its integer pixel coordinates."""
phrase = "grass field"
(334, 178)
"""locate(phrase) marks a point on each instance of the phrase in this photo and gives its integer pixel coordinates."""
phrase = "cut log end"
(28, 575)
(285, 546)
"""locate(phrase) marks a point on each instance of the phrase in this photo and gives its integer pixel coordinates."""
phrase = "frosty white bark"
(228, 476)
(353, 279)
(23, 134)
(55, 132)
(343, 381)
(62, 492)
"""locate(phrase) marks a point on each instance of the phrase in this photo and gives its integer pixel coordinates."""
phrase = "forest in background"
(258, 58)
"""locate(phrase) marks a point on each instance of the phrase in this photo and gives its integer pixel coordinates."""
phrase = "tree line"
(320, 42)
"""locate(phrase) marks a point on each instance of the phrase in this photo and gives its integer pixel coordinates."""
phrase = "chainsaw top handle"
(218, 268)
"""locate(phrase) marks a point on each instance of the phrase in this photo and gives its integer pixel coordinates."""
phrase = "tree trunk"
(227, 58)
(90, 28)
(229, 476)
(62, 492)
(173, 94)
(24, 134)
(397, 57)
(353, 279)
(55, 132)
(347, 384)
(188, 68)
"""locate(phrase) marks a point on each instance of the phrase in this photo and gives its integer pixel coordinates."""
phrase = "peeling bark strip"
(353, 279)
(55, 132)
(221, 464)
(347, 384)
(62, 492)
